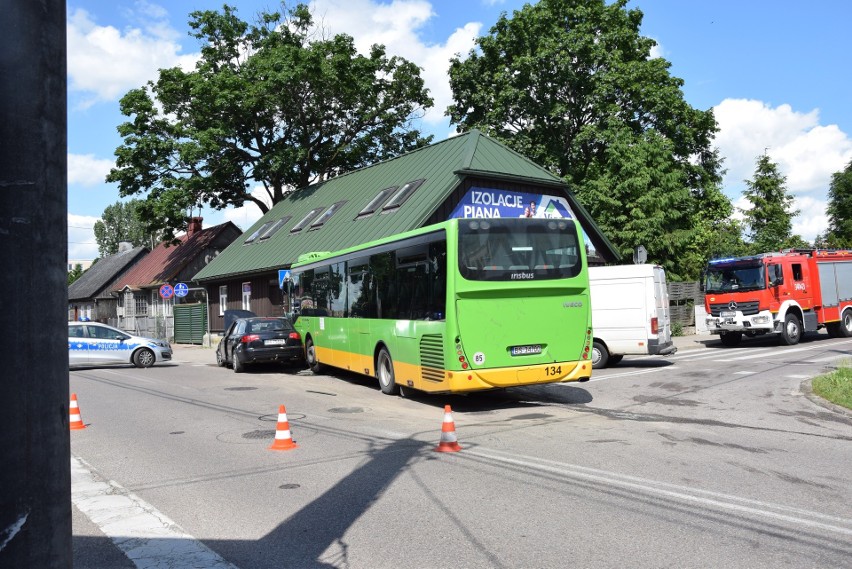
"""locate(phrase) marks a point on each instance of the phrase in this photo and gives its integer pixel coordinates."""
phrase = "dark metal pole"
(35, 480)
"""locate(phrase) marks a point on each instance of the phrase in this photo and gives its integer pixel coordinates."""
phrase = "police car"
(93, 344)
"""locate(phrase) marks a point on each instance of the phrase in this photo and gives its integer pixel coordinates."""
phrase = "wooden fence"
(683, 298)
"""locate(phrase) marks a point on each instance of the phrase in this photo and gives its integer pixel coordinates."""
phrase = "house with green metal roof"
(470, 175)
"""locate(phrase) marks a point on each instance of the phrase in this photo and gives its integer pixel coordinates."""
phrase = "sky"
(775, 72)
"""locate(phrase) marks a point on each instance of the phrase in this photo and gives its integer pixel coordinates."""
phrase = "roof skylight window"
(307, 219)
(376, 202)
(403, 194)
(275, 227)
(257, 232)
(332, 209)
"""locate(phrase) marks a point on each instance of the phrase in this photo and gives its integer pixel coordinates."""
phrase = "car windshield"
(729, 278)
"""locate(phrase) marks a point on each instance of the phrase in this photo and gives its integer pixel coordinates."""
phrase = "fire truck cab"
(786, 293)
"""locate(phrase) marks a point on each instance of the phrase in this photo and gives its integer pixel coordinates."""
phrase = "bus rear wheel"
(384, 373)
(311, 356)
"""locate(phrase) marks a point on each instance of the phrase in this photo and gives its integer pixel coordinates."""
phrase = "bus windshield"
(518, 249)
(729, 278)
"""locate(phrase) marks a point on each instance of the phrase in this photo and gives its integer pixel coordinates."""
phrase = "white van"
(630, 313)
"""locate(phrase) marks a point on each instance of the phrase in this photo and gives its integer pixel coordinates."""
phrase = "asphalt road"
(712, 457)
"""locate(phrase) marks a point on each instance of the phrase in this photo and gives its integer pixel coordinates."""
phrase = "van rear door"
(661, 303)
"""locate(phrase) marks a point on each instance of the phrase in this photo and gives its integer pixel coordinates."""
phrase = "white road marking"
(148, 538)
(744, 373)
(705, 498)
(629, 373)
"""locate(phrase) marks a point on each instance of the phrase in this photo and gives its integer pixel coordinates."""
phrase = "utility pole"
(35, 479)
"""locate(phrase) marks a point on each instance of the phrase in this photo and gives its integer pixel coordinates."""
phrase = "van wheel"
(731, 339)
(600, 357)
(311, 355)
(846, 324)
(384, 373)
(791, 333)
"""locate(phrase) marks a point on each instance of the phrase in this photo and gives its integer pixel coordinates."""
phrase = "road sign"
(181, 289)
(166, 291)
(283, 275)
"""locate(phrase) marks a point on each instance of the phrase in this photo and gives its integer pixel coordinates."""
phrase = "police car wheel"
(144, 358)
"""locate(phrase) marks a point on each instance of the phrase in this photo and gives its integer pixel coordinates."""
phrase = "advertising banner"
(486, 202)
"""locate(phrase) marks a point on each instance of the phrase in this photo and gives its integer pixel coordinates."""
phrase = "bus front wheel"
(311, 356)
(384, 373)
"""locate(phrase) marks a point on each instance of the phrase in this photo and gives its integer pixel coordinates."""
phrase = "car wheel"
(220, 361)
(311, 354)
(791, 333)
(384, 373)
(845, 326)
(600, 356)
(731, 339)
(239, 367)
(144, 358)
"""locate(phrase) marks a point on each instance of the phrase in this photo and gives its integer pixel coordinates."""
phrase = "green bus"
(459, 306)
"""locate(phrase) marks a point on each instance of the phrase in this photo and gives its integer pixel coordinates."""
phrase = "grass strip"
(835, 386)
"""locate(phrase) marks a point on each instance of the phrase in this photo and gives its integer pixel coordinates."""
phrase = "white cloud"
(806, 152)
(243, 217)
(105, 62)
(81, 237)
(396, 26)
(87, 170)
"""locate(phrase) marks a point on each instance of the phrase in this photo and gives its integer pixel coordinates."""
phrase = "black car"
(259, 340)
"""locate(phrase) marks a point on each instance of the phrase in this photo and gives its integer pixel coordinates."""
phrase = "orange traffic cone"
(449, 442)
(74, 418)
(283, 440)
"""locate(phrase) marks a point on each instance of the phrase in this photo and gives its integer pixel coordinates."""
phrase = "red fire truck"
(786, 293)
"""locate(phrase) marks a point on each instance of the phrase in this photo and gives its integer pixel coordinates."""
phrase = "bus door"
(361, 304)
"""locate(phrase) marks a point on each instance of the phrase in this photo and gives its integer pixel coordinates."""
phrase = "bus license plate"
(525, 350)
(277, 342)
(728, 314)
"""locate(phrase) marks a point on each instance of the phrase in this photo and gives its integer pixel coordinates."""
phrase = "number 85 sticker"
(479, 358)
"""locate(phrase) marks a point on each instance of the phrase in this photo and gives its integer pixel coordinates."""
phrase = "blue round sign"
(166, 291)
(181, 289)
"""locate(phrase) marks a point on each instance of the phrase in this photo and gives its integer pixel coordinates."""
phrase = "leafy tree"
(769, 221)
(122, 221)
(839, 209)
(75, 273)
(571, 85)
(267, 105)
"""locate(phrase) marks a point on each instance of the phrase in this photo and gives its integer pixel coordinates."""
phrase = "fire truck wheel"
(731, 339)
(792, 331)
(846, 324)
